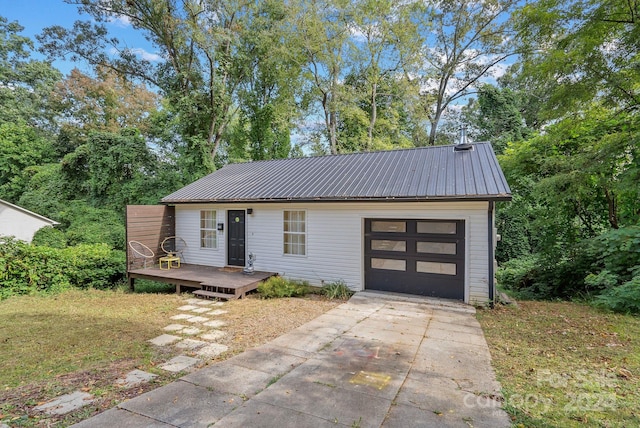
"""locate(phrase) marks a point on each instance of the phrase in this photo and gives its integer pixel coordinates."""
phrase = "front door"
(235, 237)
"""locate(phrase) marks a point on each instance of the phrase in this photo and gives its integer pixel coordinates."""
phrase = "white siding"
(335, 238)
(20, 224)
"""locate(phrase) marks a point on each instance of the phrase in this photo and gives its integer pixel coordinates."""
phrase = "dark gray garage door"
(424, 257)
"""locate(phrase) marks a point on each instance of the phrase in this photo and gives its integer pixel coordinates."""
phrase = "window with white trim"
(208, 233)
(295, 233)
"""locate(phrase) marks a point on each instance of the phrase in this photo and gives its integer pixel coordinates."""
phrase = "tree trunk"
(374, 114)
(613, 208)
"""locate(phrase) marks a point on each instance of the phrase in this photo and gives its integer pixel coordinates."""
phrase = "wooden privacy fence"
(149, 225)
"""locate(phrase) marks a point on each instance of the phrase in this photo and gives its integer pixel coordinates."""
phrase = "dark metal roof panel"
(425, 173)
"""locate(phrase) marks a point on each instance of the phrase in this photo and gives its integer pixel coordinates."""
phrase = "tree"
(107, 102)
(464, 41)
(581, 51)
(25, 83)
(201, 65)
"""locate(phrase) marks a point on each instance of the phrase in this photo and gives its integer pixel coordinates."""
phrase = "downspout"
(491, 253)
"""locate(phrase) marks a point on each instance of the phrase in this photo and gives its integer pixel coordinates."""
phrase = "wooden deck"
(209, 281)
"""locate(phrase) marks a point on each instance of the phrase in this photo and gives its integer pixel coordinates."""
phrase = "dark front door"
(235, 237)
(424, 257)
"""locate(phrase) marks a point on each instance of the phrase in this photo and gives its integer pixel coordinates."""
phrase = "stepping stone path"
(203, 348)
(204, 333)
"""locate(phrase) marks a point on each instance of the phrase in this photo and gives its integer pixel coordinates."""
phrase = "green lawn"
(55, 344)
(566, 364)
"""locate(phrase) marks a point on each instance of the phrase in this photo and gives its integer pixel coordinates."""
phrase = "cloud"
(147, 56)
(120, 21)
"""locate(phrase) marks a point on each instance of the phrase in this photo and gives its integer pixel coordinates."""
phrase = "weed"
(330, 385)
(337, 290)
(273, 380)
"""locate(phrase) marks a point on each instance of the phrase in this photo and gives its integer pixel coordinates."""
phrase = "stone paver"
(200, 310)
(213, 335)
(174, 327)
(217, 312)
(191, 344)
(212, 350)
(190, 331)
(66, 403)
(215, 323)
(179, 363)
(187, 308)
(195, 319)
(181, 316)
(164, 340)
(135, 377)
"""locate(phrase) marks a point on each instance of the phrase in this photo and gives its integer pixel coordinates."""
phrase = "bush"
(518, 274)
(49, 237)
(624, 298)
(277, 286)
(337, 290)
(26, 269)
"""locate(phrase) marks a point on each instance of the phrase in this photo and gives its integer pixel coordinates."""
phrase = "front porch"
(208, 281)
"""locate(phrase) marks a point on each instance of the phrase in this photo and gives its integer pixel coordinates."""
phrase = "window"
(208, 234)
(295, 233)
(439, 227)
(389, 226)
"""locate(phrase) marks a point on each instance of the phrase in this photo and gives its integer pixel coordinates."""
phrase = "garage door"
(424, 257)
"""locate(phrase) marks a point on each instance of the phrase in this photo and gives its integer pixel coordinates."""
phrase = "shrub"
(624, 298)
(337, 290)
(518, 274)
(49, 237)
(26, 269)
(277, 286)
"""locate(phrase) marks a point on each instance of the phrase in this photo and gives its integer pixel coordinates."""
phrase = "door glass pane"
(436, 247)
(388, 226)
(386, 245)
(436, 267)
(441, 227)
(389, 264)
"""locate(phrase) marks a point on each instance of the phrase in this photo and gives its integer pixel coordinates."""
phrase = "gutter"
(490, 227)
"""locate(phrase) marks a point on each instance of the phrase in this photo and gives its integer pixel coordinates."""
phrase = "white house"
(417, 221)
(21, 223)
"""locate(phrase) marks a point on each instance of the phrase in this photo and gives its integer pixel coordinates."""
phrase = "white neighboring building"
(21, 223)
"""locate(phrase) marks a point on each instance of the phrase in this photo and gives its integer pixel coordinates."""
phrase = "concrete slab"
(271, 416)
(200, 310)
(174, 327)
(66, 403)
(215, 323)
(122, 419)
(307, 341)
(212, 350)
(183, 404)
(191, 344)
(213, 335)
(272, 360)
(135, 377)
(164, 340)
(230, 378)
(326, 401)
(179, 363)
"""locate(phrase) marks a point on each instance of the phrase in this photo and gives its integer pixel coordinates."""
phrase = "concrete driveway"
(379, 360)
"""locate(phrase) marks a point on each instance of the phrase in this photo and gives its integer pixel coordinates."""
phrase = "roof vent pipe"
(463, 144)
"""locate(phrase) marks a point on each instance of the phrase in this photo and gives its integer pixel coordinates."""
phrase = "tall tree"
(25, 83)
(202, 63)
(107, 102)
(581, 50)
(464, 42)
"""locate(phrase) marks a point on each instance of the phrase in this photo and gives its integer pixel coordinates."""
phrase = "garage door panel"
(423, 257)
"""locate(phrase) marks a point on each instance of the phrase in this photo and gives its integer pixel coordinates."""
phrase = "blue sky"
(35, 15)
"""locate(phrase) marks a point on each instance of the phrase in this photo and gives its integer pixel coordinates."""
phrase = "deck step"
(205, 293)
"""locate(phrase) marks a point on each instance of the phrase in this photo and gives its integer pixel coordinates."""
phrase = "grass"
(566, 364)
(55, 344)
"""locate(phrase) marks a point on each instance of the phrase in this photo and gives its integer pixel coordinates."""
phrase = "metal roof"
(427, 173)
